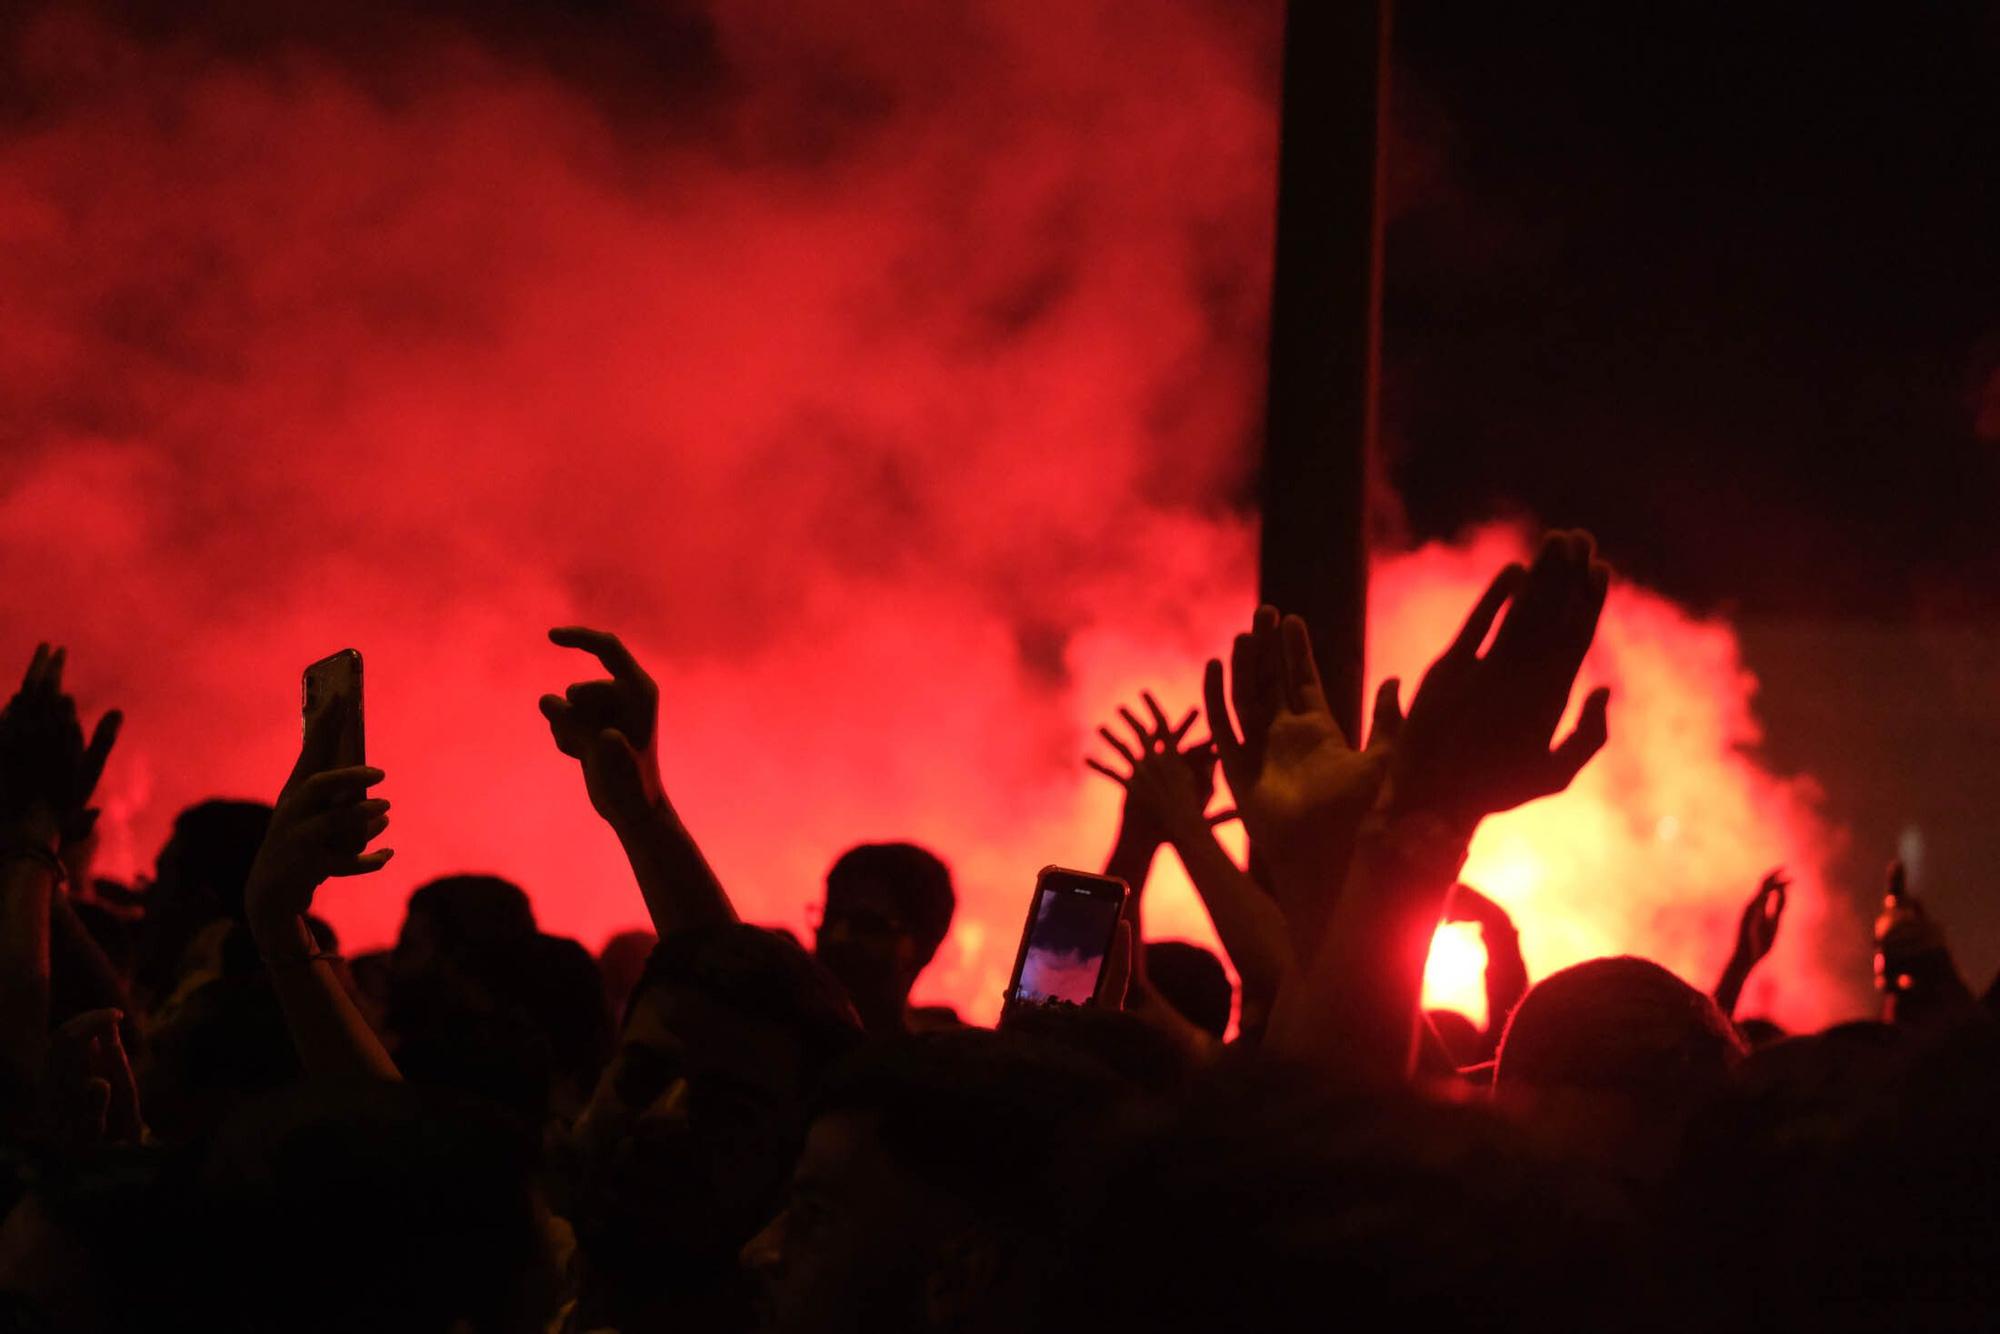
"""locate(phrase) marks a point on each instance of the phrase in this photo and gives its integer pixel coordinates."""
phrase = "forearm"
(1353, 1013)
(1506, 977)
(1131, 859)
(1729, 988)
(328, 1030)
(679, 887)
(1249, 924)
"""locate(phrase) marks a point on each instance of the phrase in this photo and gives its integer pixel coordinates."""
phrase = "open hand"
(1301, 788)
(1165, 785)
(91, 1095)
(609, 726)
(1476, 741)
(47, 771)
(1758, 930)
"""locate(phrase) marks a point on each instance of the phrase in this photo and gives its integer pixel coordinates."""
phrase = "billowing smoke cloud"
(886, 376)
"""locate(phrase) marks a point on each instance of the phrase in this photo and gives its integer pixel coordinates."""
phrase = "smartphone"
(1072, 921)
(336, 677)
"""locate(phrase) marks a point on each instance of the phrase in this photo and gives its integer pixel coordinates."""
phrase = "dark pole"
(1326, 301)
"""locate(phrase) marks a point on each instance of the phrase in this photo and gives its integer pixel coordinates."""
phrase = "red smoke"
(890, 406)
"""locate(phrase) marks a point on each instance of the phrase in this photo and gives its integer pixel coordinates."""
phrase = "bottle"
(1913, 967)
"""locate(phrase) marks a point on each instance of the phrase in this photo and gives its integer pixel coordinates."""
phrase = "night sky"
(1721, 282)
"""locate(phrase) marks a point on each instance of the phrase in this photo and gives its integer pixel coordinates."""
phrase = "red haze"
(891, 406)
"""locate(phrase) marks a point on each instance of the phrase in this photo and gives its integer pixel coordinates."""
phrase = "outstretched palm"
(1301, 787)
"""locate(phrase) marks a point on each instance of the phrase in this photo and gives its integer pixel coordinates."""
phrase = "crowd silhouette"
(218, 1120)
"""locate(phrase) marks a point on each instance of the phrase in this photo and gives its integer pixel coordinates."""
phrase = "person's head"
(457, 917)
(198, 878)
(1610, 1057)
(521, 1022)
(221, 1046)
(888, 907)
(1193, 981)
(684, 1147)
(375, 1206)
(1255, 1204)
(935, 1167)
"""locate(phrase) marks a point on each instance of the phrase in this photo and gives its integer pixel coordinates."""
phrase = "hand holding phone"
(1072, 920)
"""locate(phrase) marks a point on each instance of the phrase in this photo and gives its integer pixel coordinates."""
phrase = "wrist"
(280, 933)
(34, 828)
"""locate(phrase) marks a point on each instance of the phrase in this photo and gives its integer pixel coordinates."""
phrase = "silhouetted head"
(223, 1044)
(688, 1138)
(888, 907)
(1193, 981)
(936, 1168)
(461, 916)
(1255, 1205)
(198, 878)
(1610, 1057)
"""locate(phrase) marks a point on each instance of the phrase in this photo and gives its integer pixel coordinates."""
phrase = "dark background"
(1722, 283)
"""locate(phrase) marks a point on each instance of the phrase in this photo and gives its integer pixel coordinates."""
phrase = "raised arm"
(1476, 742)
(610, 728)
(1755, 934)
(1140, 830)
(1167, 791)
(47, 774)
(322, 825)
(1506, 970)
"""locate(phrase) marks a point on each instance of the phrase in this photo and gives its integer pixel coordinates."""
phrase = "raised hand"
(1755, 934)
(1758, 930)
(1165, 785)
(48, 773)
(1299, 785)
(321, 827)
(1476, 741)
(609, 727)
(91, 1096)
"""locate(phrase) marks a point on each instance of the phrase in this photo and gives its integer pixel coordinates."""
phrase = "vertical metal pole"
(1326, 302)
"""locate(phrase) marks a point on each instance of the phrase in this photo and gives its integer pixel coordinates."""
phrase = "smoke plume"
(885, 374)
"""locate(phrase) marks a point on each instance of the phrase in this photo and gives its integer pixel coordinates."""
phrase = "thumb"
(1388, 720)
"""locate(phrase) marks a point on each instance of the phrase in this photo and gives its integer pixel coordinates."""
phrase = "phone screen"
(1071, 923)
(336, 677)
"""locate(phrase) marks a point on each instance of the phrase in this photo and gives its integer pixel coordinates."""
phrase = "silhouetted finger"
(1143, 737)
(102, 739)
(1302, 692)
(606, 647)
(1592, 731)
(1179, 732)
(1473, 633)
(1160, 728)
(1107, 771)
(1119, 746)
(337, 787)
(1387, 723)
(53, 671)
(31, 679)
(367, 863)
(1223, 734)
